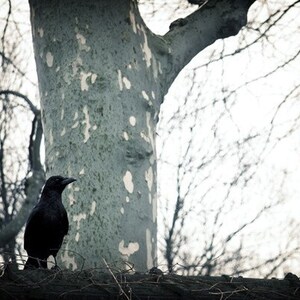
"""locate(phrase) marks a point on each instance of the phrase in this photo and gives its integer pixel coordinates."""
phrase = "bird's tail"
(34, 263)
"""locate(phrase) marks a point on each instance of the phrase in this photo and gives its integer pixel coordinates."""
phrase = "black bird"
(47, 224)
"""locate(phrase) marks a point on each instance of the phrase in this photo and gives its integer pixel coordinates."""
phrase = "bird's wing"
(33, 227)
(65, 223)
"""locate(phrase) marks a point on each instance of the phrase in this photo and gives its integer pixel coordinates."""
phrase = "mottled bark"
(102, 77)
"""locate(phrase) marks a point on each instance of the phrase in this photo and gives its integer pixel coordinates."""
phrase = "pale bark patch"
(93, 208)
(63, 132)
(150, 132)
(50, 137)
(127, 179)
(93, 78)
(132, 120)
(132, 21)
(127, 83)
(82, 42)
(40, 32)
(49, 59)
(78, 218)
(145, 47)
(144, 137)
(149, 178)
(87, 124)
(83, 80)
(154, 207)
(69, 261)
(125, 136)
(71, 199)
(76, 120)
(145, 95)
(120, 80)
(76, 64)
(130, 249)
(149, 249)
(62, 113)
(77, 236)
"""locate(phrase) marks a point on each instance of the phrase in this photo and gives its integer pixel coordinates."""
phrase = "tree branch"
(17, 94)
(33, 184)
(215, 20)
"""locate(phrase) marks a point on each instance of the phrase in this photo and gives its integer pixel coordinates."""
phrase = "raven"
(47, 224)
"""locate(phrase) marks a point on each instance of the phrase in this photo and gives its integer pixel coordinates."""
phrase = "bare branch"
(215, 20)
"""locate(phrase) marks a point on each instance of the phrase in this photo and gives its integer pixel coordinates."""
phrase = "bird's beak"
(68, 180)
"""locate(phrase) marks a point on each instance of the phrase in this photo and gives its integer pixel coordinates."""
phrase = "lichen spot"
(127, 179)
(49, 59)
(132, 120)
(130, 249)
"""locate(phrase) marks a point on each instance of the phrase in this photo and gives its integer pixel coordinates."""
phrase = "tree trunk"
(96, 92)
(102, 77)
